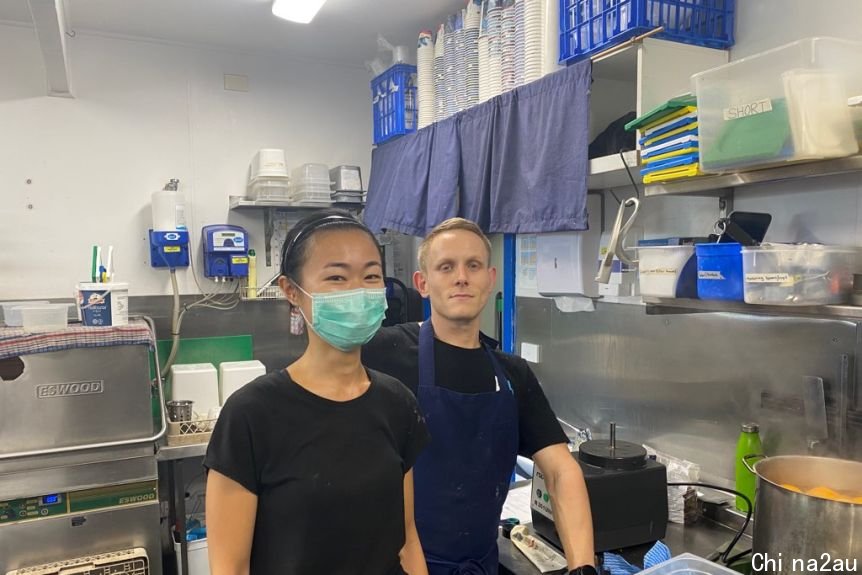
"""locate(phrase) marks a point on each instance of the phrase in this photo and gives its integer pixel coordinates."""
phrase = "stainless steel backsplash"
(684, 383)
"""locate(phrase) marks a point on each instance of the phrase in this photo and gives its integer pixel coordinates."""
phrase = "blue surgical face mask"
(347, 319)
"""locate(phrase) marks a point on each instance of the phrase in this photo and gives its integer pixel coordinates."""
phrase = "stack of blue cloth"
(616, 565)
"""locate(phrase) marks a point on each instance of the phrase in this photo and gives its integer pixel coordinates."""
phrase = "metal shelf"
(172, 453)
(680, 305)
(717, 185)
(609, 172)
(241, 202)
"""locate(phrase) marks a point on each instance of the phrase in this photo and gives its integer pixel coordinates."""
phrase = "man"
(482, 408)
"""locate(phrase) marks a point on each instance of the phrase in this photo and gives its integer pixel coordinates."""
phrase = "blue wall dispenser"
(225, 249)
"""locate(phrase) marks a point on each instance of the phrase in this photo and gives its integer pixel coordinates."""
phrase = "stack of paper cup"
(518, 57)
(507, 43)
(425, 78)
(472, 19)
(440, 75)
(450, 59)
(460, 62)
(494, 22)
(533, 39)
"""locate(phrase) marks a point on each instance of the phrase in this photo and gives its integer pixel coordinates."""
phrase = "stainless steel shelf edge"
(675, 305)
(241, 202)
(717, 185)
(608, 172)
(171, 453)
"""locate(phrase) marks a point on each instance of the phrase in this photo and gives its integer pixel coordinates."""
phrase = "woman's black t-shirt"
(328, 475)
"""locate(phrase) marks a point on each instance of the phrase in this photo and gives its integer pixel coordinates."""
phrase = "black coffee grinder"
(627, 491)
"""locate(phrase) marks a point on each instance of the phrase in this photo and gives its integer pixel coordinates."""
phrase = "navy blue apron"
(461, 479)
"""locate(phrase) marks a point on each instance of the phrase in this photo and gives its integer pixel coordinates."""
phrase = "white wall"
(145, 112)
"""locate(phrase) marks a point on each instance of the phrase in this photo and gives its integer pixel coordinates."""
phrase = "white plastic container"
(44, 317)
(667, 271)
(232, 375)
(199, 562)
(783, 105)
(169, 210)
(807, 274)
(268, 163)
(688, 564)
(12, 311)
(269, 188)
(310, 193)
(346, 178)
(198, 383)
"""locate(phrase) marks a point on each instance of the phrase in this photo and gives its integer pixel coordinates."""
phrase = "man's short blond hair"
(447, 226)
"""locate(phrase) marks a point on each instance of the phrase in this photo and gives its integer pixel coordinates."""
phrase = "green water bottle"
(748, 444)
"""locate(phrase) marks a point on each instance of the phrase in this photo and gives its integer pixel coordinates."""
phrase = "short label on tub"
(750, 109)
(704, 275)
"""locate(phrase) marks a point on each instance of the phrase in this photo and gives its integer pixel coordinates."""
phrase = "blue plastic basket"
(590, 26)
(393, 101)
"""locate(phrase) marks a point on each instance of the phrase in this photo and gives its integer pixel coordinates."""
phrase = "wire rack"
(190, 432)
(266, 293)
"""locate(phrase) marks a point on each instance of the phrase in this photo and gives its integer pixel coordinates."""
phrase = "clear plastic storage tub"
(667, 271)
(44, 317)
(12, 311)
(783, 105)
(269, 188)
(688, 564)
(805, 274)
(346, 178)
(310, 173)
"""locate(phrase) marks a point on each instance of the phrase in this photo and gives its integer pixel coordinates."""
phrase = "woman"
(310, 467)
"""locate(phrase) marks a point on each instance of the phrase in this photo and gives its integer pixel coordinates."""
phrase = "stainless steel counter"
(703, 538)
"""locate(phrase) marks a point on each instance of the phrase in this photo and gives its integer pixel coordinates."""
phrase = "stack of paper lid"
(669, 140)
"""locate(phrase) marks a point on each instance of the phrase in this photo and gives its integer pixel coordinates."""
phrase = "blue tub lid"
(708, 250)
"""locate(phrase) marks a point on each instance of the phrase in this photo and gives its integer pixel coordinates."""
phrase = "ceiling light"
(301, 11)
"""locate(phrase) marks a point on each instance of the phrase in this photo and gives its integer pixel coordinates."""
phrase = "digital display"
(50, 499)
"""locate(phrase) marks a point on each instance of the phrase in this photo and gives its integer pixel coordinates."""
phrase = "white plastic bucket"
(103, 304)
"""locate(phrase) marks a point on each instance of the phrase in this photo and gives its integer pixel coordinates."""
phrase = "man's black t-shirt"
(395, 351)
(328, 475)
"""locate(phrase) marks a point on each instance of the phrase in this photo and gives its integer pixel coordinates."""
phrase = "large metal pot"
(793, 529)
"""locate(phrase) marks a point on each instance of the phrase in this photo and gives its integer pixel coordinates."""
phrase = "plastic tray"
(688, 564)
(269, 188)
(310, 172)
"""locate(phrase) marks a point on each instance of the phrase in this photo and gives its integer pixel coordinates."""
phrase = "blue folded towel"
(616, 565)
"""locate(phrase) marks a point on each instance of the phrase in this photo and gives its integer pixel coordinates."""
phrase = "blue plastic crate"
(590, 26)
(393, 101)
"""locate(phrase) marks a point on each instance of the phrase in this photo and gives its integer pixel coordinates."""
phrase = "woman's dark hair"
(294, 252)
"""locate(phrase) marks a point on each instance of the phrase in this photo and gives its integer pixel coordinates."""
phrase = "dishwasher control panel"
(53, 504)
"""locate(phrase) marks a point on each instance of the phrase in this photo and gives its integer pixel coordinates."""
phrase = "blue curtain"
(515, 164)
(539, 155)
(398, 186)
(442, 201)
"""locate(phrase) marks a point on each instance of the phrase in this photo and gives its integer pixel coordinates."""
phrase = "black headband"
(311, 227)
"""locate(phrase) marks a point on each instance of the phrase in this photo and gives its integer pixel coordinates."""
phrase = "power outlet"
(530, 352)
